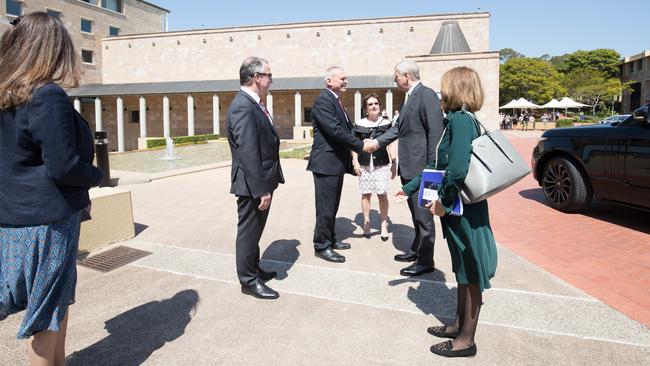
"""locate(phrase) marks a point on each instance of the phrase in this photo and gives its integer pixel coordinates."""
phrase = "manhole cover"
(113, 258)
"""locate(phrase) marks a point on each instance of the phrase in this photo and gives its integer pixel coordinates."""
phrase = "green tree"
(506, 54)
(593, 87)
(603, 60)
(531, 78)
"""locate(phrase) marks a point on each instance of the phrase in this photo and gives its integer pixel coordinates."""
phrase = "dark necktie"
(345, 113)
(266, 112)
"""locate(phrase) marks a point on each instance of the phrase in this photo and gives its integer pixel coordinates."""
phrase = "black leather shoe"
(259, 290)
(445, 349)
(341, 246)
(416, 270)
(440, 331)
(266, 276)
(408, 257)
(330, 255)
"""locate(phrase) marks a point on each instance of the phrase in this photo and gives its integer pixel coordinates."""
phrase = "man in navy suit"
(419, 128)
(256, 171)
(330, 160)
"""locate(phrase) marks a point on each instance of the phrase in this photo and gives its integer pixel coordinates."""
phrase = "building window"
(113, 31)
(114, 5)
(54, 13)
(86, 25)
(639, 65)
(14, 8)
(94, 2)
(135, 116)
(87, 56)
(307, 114)
(630, 68)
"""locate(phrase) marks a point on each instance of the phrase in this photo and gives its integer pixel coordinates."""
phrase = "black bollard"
(101, 155)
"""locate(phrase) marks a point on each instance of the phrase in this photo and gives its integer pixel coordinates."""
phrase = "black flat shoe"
(416, 270)
(440, 331)
(341, 246)
(266, 276)
(259, 290)
(445, 349)
(330, 255)
(408, 257)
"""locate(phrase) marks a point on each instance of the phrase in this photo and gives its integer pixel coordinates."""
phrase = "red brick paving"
(604, 251)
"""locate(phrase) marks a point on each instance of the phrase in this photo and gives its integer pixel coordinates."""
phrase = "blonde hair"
(36, 51)
(461, 89)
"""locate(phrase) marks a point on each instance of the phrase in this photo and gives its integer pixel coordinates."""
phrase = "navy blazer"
(255, 149)
(46, 154)
(419, 128)
(333, 138)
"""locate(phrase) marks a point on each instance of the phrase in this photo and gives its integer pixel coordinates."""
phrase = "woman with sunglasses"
(374, 169)
(46, 154)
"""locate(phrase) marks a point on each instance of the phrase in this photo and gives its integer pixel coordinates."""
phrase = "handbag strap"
(489, 135)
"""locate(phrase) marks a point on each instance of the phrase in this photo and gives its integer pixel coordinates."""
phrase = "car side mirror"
(641, 114)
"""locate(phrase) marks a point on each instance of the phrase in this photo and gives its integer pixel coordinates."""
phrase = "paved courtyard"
(182, 304)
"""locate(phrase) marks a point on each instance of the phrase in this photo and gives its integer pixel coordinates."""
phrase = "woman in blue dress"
(46, 154)
(469, 237)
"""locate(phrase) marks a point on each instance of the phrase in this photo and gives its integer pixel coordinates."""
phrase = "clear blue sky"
(533, 28)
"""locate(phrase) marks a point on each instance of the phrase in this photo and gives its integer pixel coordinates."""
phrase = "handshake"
(370, 146)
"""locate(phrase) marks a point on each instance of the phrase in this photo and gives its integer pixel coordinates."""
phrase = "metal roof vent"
(450, 40)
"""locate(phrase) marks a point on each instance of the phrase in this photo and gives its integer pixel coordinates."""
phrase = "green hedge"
(564, 122)
(181, 140)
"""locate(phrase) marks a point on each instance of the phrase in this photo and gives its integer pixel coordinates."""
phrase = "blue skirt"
(39, 273)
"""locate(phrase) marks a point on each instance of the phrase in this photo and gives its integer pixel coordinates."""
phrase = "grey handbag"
(494, 165)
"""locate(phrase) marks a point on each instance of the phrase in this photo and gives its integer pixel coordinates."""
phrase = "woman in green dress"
(469, 237)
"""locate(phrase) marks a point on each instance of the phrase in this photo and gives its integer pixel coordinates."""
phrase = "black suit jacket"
(46, 155)
(419, 127)
(333, 138)
(255, 146)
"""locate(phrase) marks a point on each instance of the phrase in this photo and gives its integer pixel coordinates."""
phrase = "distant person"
(255, 173)
(375, 169)
(419, 128)
(46, 154)
(469, 237)
(330, 160)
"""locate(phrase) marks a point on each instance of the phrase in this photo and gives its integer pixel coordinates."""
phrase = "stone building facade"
(181, 83)
(635, 69)
(89, 21)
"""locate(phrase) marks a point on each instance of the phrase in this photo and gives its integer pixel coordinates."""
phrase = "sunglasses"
(16, 21)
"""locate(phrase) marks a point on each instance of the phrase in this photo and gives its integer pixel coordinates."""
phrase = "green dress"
(469, 237)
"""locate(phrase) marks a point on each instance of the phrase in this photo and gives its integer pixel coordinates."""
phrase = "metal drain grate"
(113, 258)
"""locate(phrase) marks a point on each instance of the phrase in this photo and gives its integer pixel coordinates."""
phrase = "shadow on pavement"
(137, 333)
(629, 217)
(431, 297)
(282, 254)
(139, 228)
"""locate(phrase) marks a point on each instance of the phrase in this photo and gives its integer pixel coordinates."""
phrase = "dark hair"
(252, 65)
(365, 101)
(36, 51)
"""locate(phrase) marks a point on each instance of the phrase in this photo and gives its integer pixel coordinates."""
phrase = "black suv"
(608, 161)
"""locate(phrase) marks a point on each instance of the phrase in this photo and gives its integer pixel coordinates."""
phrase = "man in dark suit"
(419, 127)
(330, 160)
(256, 171)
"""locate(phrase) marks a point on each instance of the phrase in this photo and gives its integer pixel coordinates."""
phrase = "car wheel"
(564, 187)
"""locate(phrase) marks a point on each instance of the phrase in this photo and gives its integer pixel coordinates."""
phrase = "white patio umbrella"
(508, 105)
(553, 103)
(567, 102)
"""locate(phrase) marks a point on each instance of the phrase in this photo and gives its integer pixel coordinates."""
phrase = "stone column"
(143, 117)
(298, 109)
(166, 126)
(190, 115)
(215, 114)
(389, 103)
(269, 104)
(77, 104)
(120, 124)
(357, 106)
(98, 114)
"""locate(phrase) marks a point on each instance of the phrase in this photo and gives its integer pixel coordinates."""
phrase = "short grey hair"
(329, 73)
(252, 65)
(408, 66)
